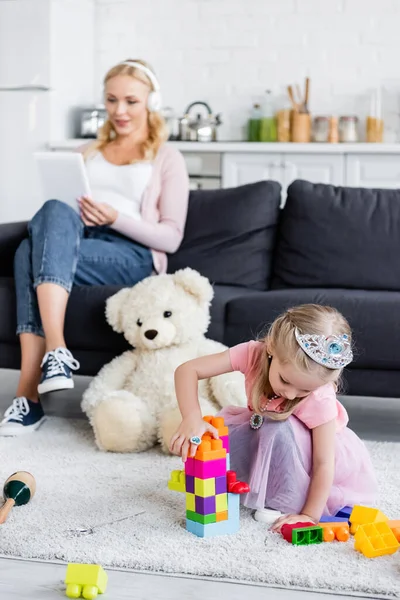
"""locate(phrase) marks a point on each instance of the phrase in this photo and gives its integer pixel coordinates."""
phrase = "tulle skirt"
(276, 462)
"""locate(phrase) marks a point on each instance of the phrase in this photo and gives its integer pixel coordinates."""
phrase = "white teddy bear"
(131, 403)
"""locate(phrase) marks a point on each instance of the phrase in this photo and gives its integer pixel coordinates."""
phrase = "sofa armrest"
(11, 235)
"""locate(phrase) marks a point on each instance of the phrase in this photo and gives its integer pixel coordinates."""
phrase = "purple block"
(344, 512)
(189, 467)
(333, 520)
(205, 506)
(190, 484)
(220, 485)
(225, 442)
(209, 468)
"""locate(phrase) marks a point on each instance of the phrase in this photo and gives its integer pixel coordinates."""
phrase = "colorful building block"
(85, 580)
(221, 485)
(395, 528)
(333, 520)
(212, 490)
(190, 484)
(335, 531)
(204, 487)
(199, 518)
(210, 449)
(191, 502)
(177, 481)
(211, 468)
(344, 512)
(302, 534)
(375, 539)
(207, 506)
(362, 515)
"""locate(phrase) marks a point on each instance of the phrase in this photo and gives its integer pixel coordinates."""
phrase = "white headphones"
(154, 101)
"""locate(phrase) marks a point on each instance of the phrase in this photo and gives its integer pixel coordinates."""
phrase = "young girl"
(292, 445)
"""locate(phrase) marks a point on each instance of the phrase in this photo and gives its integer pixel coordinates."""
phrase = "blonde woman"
(292, 445)
(137, 214)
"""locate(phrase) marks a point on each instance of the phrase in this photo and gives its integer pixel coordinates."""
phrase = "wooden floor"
(28, 580)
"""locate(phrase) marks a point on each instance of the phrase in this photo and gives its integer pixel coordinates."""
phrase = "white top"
(120, 186)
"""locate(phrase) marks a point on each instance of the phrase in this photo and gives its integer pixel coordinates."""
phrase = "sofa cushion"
(373, 317)
(230, 234)
(337, 237)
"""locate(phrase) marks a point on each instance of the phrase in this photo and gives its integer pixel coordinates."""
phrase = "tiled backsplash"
(228, 52)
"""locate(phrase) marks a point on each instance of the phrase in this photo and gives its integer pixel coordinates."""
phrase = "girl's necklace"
(257, 420)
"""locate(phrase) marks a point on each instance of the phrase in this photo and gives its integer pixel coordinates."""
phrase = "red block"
(286, 530)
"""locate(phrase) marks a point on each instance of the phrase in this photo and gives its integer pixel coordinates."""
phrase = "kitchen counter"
(259, 147)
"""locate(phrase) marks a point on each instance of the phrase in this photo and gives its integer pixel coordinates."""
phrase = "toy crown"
(333, 352)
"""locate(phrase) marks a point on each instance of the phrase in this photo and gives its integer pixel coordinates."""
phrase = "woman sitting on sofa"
(138, 211)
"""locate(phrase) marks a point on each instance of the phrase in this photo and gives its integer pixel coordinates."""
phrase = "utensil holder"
(374, 130)
(301, 127)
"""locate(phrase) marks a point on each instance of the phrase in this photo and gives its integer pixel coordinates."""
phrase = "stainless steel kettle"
(91, 119)
(201, 128)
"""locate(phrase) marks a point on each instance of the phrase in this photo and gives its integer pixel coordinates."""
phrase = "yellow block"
(204, 487)
(190, 502)
(85, 580)
(361, 515)
(375, 539)
(177, 482)
(221, 502)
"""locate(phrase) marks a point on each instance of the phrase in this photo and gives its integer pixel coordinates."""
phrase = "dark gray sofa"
(329, 245)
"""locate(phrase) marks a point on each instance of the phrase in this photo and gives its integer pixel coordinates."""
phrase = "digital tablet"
(63, 176)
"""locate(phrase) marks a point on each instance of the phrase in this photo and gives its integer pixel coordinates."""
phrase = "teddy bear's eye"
(139, 323)
(167, 314)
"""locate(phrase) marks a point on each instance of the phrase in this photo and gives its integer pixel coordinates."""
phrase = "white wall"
(228, 52)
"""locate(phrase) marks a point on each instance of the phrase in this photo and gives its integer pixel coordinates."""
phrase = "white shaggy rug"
(116, 510)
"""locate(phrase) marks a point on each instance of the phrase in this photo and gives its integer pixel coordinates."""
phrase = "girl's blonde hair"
(281, 341)
(155, 121)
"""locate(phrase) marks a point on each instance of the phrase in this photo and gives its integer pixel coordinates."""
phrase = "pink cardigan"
(164, 208)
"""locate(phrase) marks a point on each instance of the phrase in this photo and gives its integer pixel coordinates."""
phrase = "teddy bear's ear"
(114, 309)
(195, 284)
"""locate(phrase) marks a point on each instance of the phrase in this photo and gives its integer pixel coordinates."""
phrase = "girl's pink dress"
(276, 460)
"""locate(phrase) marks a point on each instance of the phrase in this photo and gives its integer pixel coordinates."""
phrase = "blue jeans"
(61, 250)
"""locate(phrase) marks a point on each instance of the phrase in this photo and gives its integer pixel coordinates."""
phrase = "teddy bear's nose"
(151, 334)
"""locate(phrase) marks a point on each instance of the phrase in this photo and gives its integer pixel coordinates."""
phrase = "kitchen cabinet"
(373, 171)
(239, 169)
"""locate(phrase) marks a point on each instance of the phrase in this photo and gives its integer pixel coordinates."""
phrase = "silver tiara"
(333, 352)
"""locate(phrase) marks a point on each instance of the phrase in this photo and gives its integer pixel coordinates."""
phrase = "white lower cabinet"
(373, 170)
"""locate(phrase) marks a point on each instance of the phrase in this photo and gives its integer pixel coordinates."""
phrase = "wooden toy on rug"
(85, 580)
(18, 490)
(212, 490)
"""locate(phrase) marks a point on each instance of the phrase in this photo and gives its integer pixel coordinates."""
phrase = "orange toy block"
(362, 515)
(395, 527)
(218, 423)
(210, 449)
(222, 516)
(332, 531)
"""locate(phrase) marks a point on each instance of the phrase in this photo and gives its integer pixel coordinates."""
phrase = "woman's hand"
(94, 214)
(190, 427)
(289, 520)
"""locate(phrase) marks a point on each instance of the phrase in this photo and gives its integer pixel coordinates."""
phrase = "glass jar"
(321, 129)
(348, 129)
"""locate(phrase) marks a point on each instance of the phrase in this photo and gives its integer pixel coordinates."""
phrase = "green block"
(307, 535)
(203, 519)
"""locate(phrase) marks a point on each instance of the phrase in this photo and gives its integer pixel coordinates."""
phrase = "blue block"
(212, 529)
(344, 512)
(333, 520)
(233, 507)
(228, 462)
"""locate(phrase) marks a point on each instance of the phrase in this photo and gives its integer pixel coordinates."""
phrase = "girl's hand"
(94, 214)
(289, 520)
(191, 426)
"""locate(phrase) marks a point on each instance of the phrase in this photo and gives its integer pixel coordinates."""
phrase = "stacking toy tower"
(212, 490)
